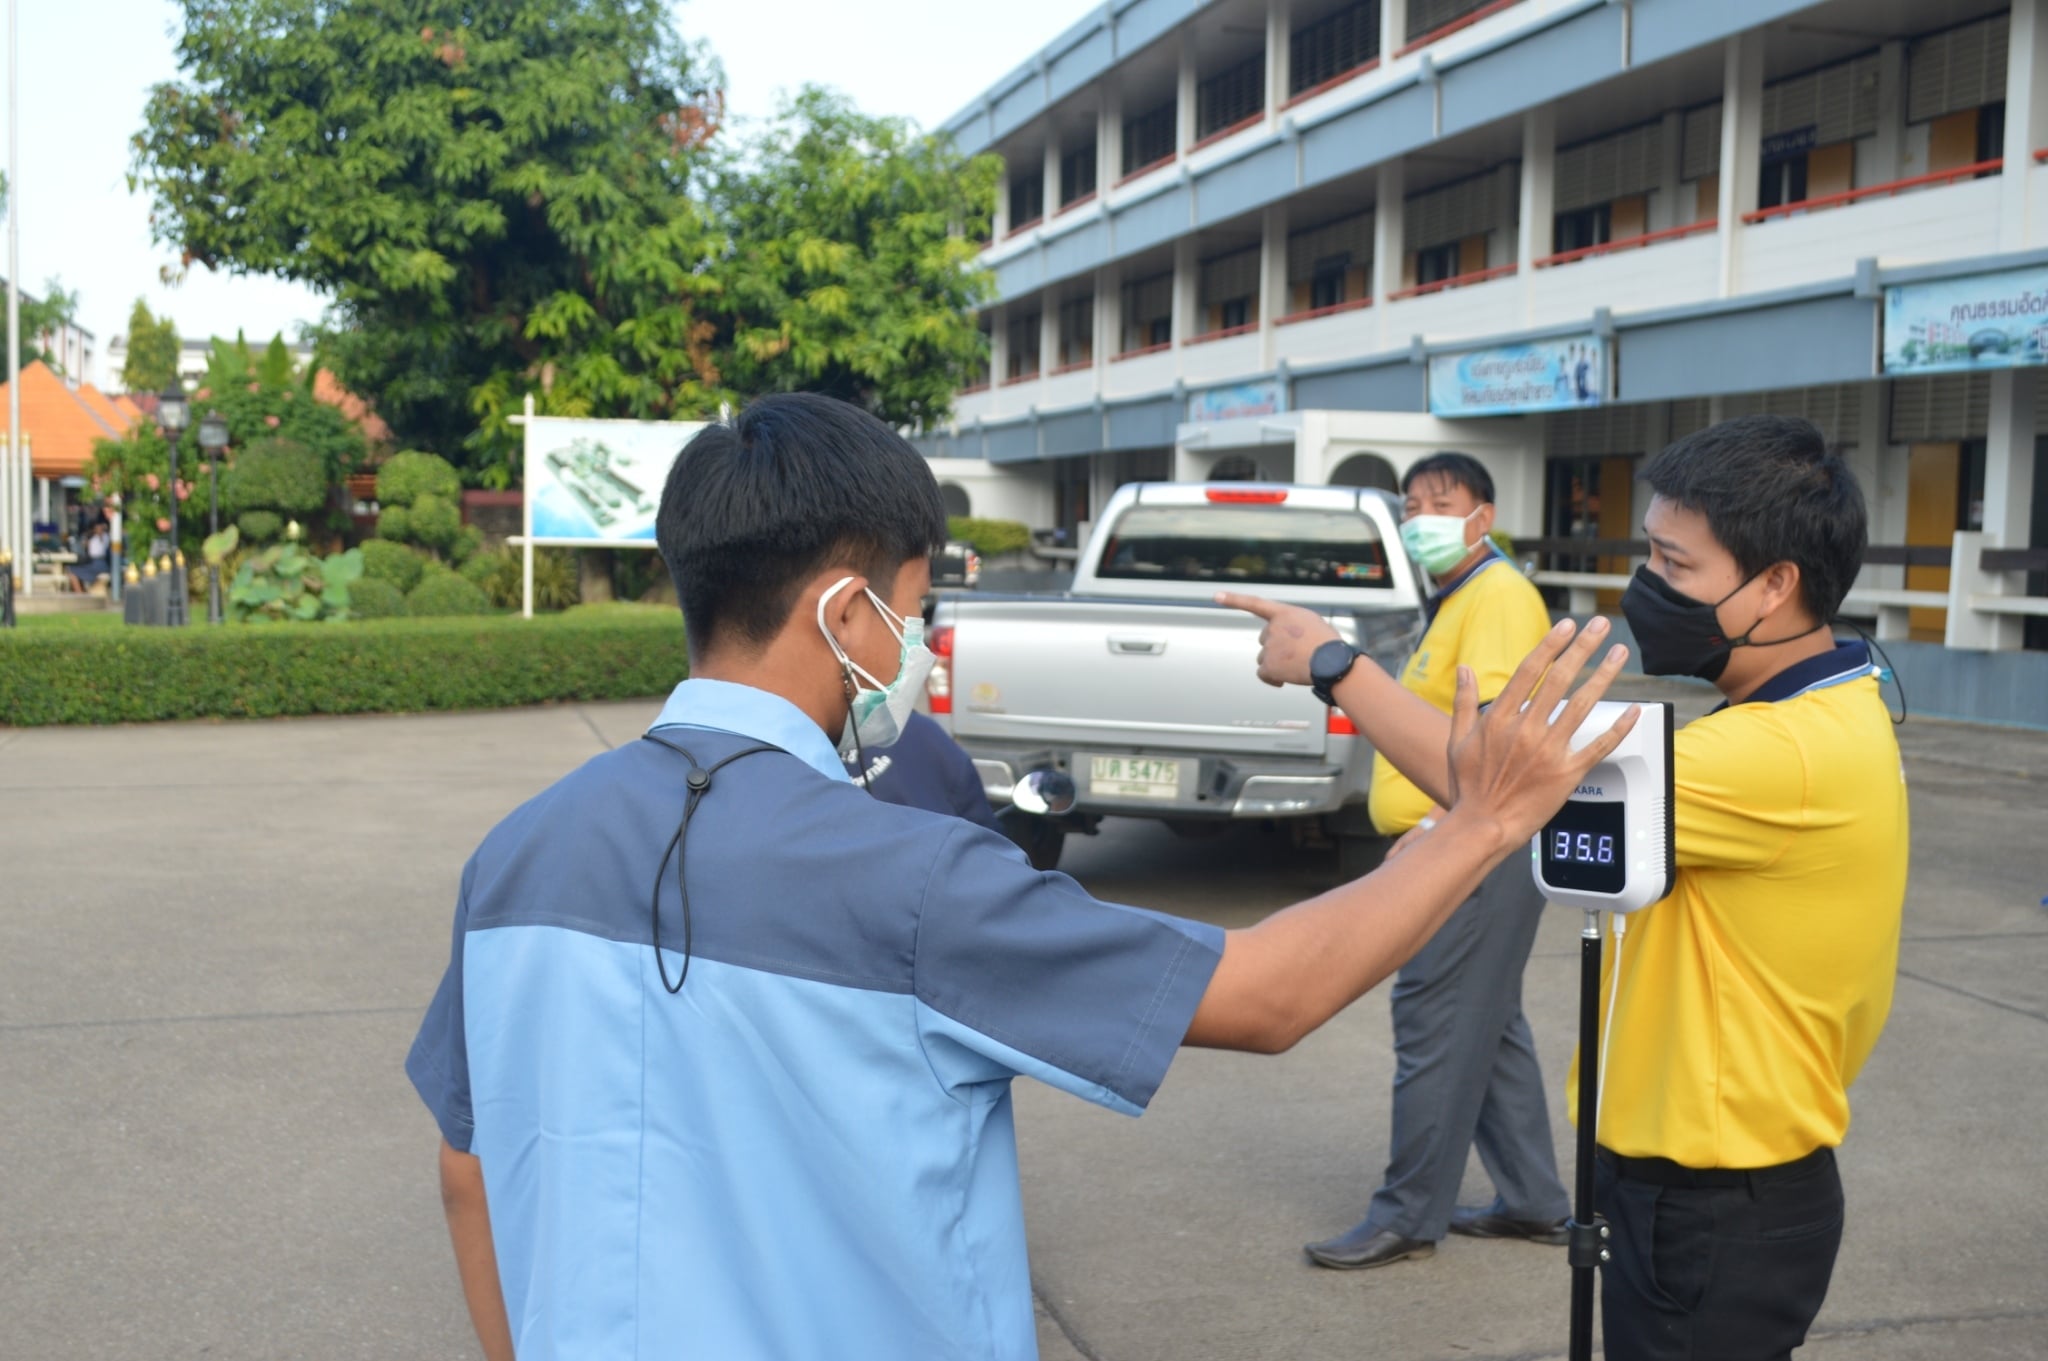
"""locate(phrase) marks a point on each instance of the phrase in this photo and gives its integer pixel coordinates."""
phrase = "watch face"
(1330, 663)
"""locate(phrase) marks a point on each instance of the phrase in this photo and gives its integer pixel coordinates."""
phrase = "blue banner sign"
(1984, 321)
(1237, 402)
(1507, 380)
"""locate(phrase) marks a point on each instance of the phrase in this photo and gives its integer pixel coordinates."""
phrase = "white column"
(2008, 510)
(2026, 119)
(1272, 278)
(1109, 139)
(999, 223)
(1184, 133)
(1109, 317)
(998, 346)
(1389, 240)
(1393, 27)
(1279, 30)
(1048, 332)
(1187, 278)
(1889, 154)
(1538, 197)
(1742, 137)
(1052, 169)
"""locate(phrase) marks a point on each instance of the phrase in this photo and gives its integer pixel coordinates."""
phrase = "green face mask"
(1436, 541)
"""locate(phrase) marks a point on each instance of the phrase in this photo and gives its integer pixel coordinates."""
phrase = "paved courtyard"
(216, 941)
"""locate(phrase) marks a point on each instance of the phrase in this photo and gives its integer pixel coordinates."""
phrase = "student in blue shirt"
(732, 1041)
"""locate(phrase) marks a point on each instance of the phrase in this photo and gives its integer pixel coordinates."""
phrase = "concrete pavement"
(216, 941)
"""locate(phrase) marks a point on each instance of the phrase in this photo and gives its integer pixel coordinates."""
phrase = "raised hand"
(1515, 762)
(1290, 638)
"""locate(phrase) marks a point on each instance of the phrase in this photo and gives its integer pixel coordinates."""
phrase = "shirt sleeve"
(1019, 972)
(1500, 631)
(439, 1062)
(1738, 789)
(970, 801)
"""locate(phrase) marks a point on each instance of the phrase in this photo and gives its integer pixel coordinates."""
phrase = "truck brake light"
(938, 687)
(1339, 725)
(1234, 496)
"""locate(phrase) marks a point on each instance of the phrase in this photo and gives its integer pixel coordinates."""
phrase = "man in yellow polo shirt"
(1465, 1064)
(1746, 1003)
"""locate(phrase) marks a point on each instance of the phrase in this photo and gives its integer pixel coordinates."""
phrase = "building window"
(1148, 138)
(1148, 313)
(1023, 337)
(1586, 227)
(1077, 331)
(1077, 174)
(1330, 46)
(1229, 97)
(1234, 313)
(1027, 199)
(1326, 285)
(1991, 132)
(1427, 16)
(1434, 264)
(1783, 182)
(1228, 290)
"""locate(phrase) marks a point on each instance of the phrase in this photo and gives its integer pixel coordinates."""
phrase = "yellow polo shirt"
(1750, 998)
(1489, 620)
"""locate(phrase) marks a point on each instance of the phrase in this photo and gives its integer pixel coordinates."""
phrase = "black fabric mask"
(1675, 634)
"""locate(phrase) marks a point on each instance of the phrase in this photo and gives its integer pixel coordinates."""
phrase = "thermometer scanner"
(1610, 848)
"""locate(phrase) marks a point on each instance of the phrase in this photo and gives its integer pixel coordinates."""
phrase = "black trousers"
(1732, 1267)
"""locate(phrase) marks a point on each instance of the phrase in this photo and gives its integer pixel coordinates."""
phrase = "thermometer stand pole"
(1587, 1232)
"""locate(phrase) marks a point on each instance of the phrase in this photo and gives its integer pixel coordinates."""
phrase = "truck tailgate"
(1111, 674)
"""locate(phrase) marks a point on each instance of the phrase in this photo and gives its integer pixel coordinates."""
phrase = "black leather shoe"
(1482, 1221)
(1366, 1246)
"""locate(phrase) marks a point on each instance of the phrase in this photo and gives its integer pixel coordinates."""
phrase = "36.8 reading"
(1581, 848)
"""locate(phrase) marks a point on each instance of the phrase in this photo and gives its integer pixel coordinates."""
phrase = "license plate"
(1134, 777)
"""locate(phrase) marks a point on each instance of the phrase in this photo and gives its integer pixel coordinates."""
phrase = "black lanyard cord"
(697, 783)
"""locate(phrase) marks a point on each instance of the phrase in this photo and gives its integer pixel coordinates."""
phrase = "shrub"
(555, 583)
(468, 543)
(444, 593)
(260, 526)
(394, 523)
(286, 584)
(393, 564)
(276, 474)
(432, 522)
(990, 537)
(131, 675)
(375, 598)
(406, 477)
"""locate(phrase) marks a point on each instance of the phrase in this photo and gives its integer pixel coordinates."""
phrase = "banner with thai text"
(1507, 380)
(1984, 321)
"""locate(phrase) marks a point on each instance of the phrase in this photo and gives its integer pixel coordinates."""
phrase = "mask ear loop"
(1889, 673)
(860, 754)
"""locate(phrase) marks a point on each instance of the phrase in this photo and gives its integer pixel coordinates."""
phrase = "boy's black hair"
(1772, 492)
(757, 506)
(1461, 470)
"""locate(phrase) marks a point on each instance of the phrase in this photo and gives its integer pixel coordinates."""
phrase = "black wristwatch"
(1329, 664)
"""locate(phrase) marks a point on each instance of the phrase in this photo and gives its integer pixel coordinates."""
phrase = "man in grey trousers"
(1465, 1065)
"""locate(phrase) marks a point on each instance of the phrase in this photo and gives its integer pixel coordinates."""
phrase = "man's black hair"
(1461, 470)
(1772, 492)
(757, 506)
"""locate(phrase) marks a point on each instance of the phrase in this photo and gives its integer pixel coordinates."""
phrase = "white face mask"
(880, 712)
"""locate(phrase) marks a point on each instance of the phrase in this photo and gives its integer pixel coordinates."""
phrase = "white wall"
(1000, 493)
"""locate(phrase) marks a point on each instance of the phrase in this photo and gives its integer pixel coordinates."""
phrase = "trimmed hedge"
(143, 675)
(991, 538)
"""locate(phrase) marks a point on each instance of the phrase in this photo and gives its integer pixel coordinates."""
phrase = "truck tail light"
(1234, 496)
(1339, 725)
(938, 687)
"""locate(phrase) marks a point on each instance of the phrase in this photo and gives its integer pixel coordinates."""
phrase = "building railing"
(1161, 348)
(1885, 190)
(1331, 310)
(1365, 67)
(1075, 202)
(1029, 376)
(1466, 21)
(1972, 599)
(1566, 257)
(1168, 159)
(1224, 333)
(1024, 226)
(1477, 276)
(1074, 366)
(1248, 121)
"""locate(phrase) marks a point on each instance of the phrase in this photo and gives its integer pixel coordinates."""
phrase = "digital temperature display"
(1583, 847)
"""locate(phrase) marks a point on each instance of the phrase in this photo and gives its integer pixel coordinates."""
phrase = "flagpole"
(16, 466)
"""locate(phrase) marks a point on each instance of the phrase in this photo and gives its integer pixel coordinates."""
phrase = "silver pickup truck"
(1142, 690)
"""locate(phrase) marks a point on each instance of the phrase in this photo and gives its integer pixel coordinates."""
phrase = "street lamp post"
(213, 437)
(171, 413)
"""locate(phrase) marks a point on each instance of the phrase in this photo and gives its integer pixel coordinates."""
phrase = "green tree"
(152, 360)
(513, 197)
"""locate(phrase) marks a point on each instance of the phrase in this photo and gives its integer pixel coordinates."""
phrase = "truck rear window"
(1246, 545)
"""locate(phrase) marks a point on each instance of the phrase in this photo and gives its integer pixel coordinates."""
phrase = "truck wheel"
(1358, 856)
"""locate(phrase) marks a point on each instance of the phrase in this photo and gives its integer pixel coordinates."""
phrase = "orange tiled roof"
(105, 407)
(60, 425)
(327, 388)
(125, 404)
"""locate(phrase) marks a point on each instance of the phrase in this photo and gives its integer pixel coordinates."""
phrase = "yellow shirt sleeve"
(1501, 628)
(1739, 788)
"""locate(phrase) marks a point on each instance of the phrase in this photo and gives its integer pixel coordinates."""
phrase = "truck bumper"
(1223, 786)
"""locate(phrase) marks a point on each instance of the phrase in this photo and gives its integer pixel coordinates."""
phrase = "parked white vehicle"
(1137, 685)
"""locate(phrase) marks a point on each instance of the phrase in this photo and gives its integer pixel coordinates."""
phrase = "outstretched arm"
(1402, 726)
(1505, 774)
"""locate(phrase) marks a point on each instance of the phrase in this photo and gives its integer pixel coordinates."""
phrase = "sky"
(87, 66)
